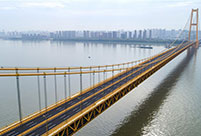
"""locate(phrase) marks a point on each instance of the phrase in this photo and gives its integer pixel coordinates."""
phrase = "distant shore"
(100, 40)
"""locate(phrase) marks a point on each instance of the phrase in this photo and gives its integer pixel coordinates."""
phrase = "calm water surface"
(168, 103)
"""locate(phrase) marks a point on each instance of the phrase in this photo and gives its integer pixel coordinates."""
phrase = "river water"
(166, 104)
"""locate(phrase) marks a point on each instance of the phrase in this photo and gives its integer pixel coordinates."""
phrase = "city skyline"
(145, 34)
(52, 15)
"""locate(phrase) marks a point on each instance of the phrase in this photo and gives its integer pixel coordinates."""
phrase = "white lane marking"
(11, 133)
(62, 116)
(85, 103)
(66, 117)
(48, 116)
(29, 123)
(49, 124)
(71, 102)
(95, 98)
(32, 134)
(75, 109)
(62, 109)
(52, 126)
(59, 108)
(14, 134)
(33, 124)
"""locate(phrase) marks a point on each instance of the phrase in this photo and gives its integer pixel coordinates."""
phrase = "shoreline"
(159, 41)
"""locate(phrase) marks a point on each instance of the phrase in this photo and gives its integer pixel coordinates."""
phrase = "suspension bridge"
(67, 116)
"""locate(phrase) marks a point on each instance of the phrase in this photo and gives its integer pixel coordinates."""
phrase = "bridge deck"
(71, 108)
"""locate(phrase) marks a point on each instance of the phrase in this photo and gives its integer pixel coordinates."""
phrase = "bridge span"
(72, 113)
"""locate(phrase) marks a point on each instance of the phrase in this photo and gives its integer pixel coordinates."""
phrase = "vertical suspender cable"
(90, 77)
(127, 68)
(65, 90)
(106, 72)
(69, 87)
(81, 88)
(119, 68)
(104, 75)
(93, 78)
(39, 97)
(104, 81)
(45, 90)
(19, 97)
(112, 71)
(65, 87)
(99, 74)
(55, 85)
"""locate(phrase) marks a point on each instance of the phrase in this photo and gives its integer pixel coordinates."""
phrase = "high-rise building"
(59, 34)
(86, 34)
(123, 35)
(105, 35)
(144, 34)
(109, 35)
(150, 34)
(135, 34)
(93, 35)
(140, 34)
(129, 35)
(114, 34)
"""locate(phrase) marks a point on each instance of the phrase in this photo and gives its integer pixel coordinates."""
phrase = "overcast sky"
(54, 15)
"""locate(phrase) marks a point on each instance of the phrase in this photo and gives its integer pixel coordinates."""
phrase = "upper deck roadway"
(57, 114)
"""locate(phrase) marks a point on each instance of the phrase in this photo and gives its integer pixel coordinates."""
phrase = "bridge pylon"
(194, 11)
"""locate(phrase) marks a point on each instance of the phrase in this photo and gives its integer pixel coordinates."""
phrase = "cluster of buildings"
(141, 34)
(146, 34)
(29, 35)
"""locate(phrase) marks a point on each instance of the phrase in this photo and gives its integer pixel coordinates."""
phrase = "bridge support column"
(194, 24)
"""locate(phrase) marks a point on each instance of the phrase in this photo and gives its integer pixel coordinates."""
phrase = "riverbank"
(160, 41)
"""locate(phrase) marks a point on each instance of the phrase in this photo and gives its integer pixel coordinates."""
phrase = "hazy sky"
(94, 14)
